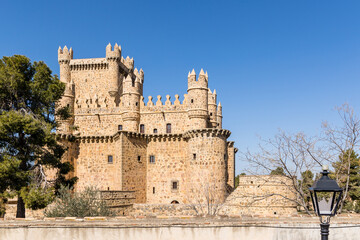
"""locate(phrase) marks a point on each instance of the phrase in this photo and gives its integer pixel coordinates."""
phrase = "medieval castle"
(167, 152)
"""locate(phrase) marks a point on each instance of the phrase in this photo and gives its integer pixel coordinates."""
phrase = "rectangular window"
(152, 159)
(175, 185)
(153, 190)
(120, 127)
(139, 158)
(155, 130)
(194, 156)
(168, 128)
(110, 159)
(142, 128)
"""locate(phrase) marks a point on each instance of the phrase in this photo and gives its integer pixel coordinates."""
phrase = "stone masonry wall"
(261, 195)
(170, 165)
(230, 164)
(206, 171)
(92, 166)
(134, 165)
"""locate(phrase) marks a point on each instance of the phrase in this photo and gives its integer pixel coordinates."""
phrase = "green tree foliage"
(87, 203)
(306, 181)
(347, 172)
(278, 171)
(237, 179)
(28, 93)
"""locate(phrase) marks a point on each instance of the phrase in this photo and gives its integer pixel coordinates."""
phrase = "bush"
(357, 206)
(87, 203)
(2, 207)
(37, 197)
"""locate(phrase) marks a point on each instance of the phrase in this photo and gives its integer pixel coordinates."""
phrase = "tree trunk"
(20, 212)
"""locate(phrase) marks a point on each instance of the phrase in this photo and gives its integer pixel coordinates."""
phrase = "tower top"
(65, 55)
(113, 54)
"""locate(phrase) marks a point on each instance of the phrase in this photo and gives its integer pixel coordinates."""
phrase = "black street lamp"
(325, 195)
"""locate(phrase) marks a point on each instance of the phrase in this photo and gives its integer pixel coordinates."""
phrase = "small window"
(110, 159)
(133, 82)
(139, 158)
(152, 159)
(155, 130)
(142, 128)
(175, 185)
(168, 128)
(194, 156)
(210, 114)
(153, 190)
(192, 100)
(136, 103)
(120, 127)
(174, 202)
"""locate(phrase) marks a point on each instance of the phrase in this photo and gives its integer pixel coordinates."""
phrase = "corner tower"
(130, 100)
(67, 100)
(113, 58)
(198, 100)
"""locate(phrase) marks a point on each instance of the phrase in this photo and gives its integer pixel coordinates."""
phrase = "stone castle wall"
(92, 167)
(134, 168)
(262, 195)
(170, 165)
(112, 118)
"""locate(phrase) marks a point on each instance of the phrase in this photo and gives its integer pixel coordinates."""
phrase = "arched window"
(142, 128)
(174, 202)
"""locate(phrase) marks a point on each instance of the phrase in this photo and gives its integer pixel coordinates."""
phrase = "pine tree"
(347, 171)
(28, 94)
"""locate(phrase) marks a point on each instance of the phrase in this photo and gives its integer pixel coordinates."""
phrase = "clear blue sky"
(275, 64)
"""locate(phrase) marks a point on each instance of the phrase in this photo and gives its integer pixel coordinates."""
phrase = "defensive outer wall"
(305, 228)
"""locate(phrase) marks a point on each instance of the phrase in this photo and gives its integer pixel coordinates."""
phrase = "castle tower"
(198, 100)
(212, 109)
(67, 100)
(130, 99)
(113, 57)
(219, 116)
(206, 173)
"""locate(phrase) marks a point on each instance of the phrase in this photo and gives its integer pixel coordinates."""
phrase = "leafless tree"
(340, 141)
(205, 198)
(295, 154)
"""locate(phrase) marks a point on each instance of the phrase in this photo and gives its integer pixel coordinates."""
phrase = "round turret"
(198, 100)
(212, 109)
(113, 57)
(206, 171)
(67, 100)
(130, 99)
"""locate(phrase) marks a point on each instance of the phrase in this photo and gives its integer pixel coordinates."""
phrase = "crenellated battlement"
(200, 82)
(160, 105)
(128, 62)
(113, 54)
(65, 55)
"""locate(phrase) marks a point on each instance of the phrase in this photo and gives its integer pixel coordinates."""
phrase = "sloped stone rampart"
(261, 195)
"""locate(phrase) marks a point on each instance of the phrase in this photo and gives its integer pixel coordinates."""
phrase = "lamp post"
(325, 195)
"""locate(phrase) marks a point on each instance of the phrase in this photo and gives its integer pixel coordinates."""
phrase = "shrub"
(87, 203)
(37, 197)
